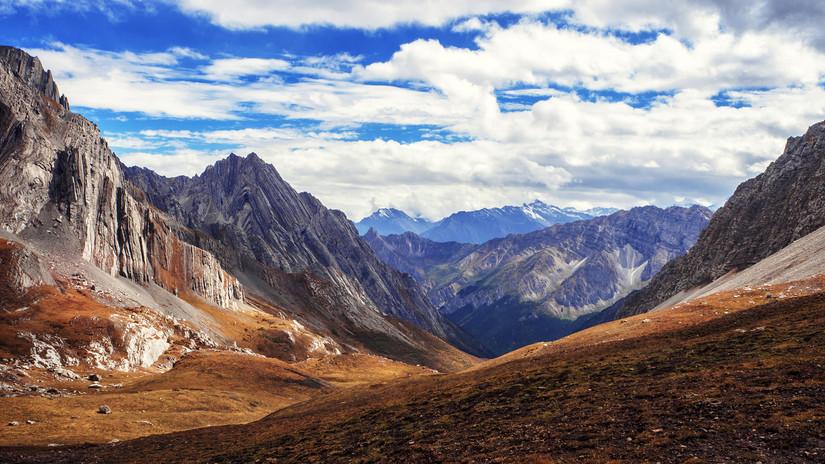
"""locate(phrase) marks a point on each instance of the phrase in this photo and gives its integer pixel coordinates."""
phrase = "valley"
(182, 279)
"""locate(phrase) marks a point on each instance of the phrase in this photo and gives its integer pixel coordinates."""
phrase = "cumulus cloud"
(231, 68)
(536, 53)
(540, 110)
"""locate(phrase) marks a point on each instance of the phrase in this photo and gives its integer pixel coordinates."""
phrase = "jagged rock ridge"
(30, 70)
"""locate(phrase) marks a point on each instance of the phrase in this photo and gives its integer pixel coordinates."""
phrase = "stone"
(104, 409)
(29, 69)
(94, 377)
(96, 386)
(14, 423)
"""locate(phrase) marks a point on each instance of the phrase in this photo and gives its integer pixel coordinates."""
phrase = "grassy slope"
(740, 379)
(204, 388)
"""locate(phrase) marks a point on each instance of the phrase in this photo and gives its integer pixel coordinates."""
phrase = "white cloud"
(231, 68)
(535, 53)
(367, 14)
(555, 146)
(564, 150)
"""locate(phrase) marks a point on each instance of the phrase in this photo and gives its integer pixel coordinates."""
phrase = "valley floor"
(204, 388)
(738, 377)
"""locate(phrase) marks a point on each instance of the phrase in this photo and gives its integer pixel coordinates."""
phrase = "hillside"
(679, 390)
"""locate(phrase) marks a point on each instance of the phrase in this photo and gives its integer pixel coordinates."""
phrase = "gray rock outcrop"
(30, 70)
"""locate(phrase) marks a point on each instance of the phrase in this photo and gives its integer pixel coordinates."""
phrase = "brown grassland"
(736, 377)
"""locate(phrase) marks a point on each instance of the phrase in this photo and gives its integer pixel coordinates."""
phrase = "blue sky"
(434, 107)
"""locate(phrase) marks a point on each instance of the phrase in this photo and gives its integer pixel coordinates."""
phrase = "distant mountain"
(477, 226)
(596, 212)
(524, 288)
(764, 215)
(388, 221)
(489, 223)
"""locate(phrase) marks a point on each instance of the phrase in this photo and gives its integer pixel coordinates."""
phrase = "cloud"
(365, 14)
(231, 68)
(573, 113)
(564, 150)
(536, 53)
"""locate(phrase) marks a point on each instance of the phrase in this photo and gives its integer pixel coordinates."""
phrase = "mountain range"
(477, 226)
(524, 288)
(763, 216)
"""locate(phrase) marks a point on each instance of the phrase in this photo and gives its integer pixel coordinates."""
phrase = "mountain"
(61, 188)
(543, 285)
(260, 224)
(764, 215)
(388, 221)
(415, 255)
(477, 226)
(233, 259)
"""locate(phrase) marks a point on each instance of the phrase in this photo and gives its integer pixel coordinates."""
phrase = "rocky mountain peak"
(764, 215)
(30, 70)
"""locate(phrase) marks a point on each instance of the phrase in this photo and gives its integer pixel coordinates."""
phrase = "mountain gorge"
(542, 285)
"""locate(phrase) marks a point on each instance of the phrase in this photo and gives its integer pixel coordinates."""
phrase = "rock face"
(245, 205)
(764, 215)
(539, 286)
(61, 186)
(30, 70)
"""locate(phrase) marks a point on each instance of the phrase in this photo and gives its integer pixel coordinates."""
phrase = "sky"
(434, 107)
